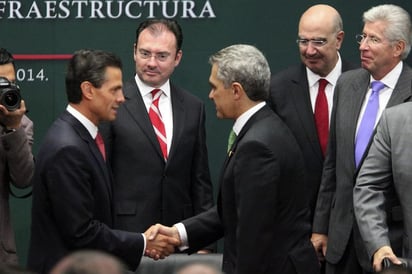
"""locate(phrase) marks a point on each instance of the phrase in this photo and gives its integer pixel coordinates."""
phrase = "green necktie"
(231, 140)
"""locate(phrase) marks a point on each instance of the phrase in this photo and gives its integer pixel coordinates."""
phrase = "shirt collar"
(245, 116)
(391, 78)
(146, 89)
(91, 128)
(332, 77)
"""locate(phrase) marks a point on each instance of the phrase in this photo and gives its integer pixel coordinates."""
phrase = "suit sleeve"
(374, 180)
(74, 187)
(203, 229)
(20, 162)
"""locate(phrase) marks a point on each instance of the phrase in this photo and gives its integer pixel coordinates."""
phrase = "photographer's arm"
(16, 134)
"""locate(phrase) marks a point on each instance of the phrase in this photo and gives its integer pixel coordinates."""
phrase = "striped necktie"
(157, 122)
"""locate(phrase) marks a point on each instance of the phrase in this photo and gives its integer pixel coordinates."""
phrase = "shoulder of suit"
(184, 94)
(292, 71)
(355, 74)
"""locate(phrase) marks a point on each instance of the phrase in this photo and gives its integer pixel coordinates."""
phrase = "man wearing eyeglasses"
(294, 91)
(360, 97)
(157, 144)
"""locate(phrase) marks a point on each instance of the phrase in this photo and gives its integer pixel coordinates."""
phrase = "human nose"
(120, 97)
(310, 49)
(152, 59)
(363, 44)
(211, 94)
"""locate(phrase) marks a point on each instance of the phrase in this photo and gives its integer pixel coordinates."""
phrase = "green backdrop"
(61, 27)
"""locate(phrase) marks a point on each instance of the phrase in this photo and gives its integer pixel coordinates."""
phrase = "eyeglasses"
(317, 43)
(360, 38)
(161, 56)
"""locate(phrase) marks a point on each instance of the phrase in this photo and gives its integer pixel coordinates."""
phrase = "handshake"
(161, 241)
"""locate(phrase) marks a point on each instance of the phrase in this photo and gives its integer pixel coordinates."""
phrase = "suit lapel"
(402, 91)
(357, 90)
(179, 119)
(85, 136)
(303, 107)
(260, 114)
(136, 108)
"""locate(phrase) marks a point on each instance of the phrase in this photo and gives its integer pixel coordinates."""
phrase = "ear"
(134, 51)
(87, 90)
(339, 39)
(399, 47)
(179, 55)
(238, 90)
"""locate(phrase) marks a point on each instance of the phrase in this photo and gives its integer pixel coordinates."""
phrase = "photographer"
(16, 159)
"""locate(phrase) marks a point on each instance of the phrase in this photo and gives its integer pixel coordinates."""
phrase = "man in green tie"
(262, 210)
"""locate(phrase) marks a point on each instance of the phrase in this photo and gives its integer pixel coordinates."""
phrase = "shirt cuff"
(144, 244)
(183, 236)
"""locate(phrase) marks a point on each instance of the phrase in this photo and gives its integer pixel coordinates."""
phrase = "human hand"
(380, 254)
(12, 119)
(319, 242)
(160, 241)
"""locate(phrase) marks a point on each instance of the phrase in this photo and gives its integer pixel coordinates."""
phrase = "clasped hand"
(161, 241)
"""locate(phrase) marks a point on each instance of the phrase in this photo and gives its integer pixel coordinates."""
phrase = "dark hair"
(88, 65)
(6, 58)
(156, 26)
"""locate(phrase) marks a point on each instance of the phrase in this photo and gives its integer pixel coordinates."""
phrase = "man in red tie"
(157, 144)
(302, 95)
(72, 186)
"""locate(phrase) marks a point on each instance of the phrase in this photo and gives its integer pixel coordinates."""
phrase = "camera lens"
(11, 100)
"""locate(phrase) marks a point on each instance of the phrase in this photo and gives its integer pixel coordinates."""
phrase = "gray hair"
(398, 23)
(246, 65)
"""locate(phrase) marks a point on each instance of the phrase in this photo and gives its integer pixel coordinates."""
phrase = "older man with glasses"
(302, 95)
(360, 97)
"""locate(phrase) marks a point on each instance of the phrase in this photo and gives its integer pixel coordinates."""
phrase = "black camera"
(9, 94)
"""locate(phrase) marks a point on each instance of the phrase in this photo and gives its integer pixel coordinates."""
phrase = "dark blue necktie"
(367, 124)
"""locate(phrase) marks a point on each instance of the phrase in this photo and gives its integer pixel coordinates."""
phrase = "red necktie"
(100, 145)
(322, 116)
(157, 121)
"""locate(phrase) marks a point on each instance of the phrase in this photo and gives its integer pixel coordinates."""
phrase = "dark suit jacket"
(17, 168)
(72, 194)
(148, 190)
(290, 99)
(334, 210)
(261, 210)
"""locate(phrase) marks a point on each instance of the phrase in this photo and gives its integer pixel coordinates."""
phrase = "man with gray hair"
(360, 97)
(262, 207)
(89, 262)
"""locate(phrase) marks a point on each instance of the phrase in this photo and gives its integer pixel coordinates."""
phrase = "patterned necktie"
(367, 124)
(100, 145)
(231, 140)
(157, 122)
(322, 116)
